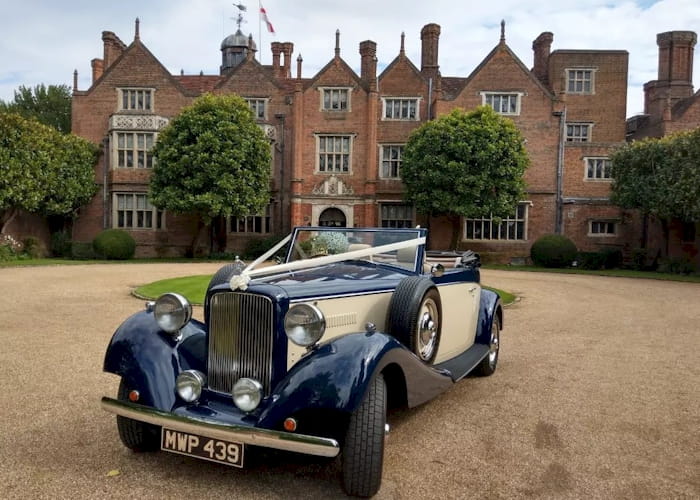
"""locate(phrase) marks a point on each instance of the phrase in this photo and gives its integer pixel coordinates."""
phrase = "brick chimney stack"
(97, 69)
(430, 36)
(113, 48)
(368, 65)
(287, 50)
(276, 51)
(541, 47)
(675, 78)
(676, 55)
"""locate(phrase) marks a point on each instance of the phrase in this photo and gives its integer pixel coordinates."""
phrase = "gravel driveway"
(597, 395)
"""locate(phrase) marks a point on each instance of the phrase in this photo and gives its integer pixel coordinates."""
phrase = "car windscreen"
(363, 244)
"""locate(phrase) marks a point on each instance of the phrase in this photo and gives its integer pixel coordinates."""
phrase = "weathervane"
(239, 18)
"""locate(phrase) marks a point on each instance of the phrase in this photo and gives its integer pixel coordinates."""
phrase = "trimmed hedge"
(553, 250)
(609, 258)
(114, 244)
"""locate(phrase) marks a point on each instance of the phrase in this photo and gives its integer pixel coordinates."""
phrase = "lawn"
(194, 288)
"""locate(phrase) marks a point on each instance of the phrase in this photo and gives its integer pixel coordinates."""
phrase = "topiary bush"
(114, 244)
(608, 258)
(553, 250)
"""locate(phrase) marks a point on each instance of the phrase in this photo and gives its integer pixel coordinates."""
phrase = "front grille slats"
(241, 332)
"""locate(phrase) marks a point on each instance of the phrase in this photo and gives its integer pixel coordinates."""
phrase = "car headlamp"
(247, 394)
(304, 324)
(189, 385)
(172, 311)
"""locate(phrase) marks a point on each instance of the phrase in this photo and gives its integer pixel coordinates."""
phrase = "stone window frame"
(254, 103)
(587, 78)
(327, 154)
(135, 150)
(603, 228)
(397, 161)
(574, 131)
(389, 106)
(590, 166)
(129, 95)
(488, 95)
(260, 223)
(157, 216)
(520, 219)
(330, 91)
(397, 221)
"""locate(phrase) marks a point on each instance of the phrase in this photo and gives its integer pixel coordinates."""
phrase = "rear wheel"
(488, 364)
(363, 449)
(135, 435)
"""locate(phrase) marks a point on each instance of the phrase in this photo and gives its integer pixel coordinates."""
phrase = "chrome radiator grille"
(241, 333)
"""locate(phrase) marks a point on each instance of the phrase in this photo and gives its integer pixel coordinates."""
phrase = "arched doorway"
(332, 217)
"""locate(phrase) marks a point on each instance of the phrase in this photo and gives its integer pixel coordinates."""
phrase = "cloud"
(43, 41)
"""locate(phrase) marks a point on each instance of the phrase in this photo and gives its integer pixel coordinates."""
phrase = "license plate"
(194, 445)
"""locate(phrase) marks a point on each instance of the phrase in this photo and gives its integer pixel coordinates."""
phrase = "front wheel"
(135, 435)
(363, 449)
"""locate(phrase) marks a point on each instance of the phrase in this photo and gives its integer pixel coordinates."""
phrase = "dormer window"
(135, 99)
(335, 98)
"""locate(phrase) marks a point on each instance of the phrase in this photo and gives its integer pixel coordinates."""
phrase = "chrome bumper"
(299, 443)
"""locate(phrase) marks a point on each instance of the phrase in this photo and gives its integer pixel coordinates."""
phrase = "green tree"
(465, 165)
(50, 105)
(41, 170)
(212, 161)
(659, 177)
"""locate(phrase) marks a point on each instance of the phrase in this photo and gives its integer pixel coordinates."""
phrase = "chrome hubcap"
(427, 329)
(493, 345)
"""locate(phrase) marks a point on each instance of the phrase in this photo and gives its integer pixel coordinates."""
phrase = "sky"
(44, 41)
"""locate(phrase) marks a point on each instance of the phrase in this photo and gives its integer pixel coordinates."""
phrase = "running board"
(461, 365)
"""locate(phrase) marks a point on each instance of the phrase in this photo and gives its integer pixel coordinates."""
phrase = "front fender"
(149, 359)
(336, 375)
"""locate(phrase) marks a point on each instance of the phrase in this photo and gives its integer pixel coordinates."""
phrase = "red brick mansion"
(337, 138)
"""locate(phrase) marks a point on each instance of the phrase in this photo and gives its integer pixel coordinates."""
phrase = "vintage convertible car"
(307, 355)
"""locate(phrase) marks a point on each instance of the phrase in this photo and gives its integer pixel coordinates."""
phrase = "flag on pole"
(263, 16)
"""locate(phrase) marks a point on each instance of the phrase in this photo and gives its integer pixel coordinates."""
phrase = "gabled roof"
(402, 58)
(336, 60)
(255, 65)
(137, 44)
(458, 86)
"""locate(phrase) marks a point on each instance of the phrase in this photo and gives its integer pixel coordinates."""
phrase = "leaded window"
(401, 108)
(391, 161)
(580, 81)
(134, 149)
(136, 99)
(598, 169)
(135, 211)
(334, 153)
(396, 215)
(513, 227)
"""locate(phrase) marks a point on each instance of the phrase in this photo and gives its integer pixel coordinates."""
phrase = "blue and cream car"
(307, 355)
